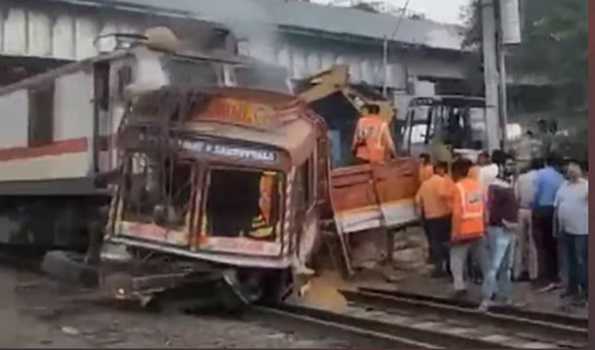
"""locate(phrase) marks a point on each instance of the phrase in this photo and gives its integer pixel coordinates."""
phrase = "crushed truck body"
(202, 185)
(225, 177)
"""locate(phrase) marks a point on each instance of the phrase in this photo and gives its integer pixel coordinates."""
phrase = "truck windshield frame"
(158, 194)
(427, 121)
(245, 198)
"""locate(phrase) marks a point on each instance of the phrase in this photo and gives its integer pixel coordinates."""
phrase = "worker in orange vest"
(468, 225)
(373, 142)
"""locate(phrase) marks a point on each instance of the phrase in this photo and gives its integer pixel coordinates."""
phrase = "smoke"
(252, 24)
(248, 20)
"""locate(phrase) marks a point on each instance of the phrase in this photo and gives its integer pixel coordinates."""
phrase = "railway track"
(556, 318)
(385, 318)
(400, 321)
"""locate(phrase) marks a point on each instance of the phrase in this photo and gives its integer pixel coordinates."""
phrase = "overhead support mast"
(501, 27)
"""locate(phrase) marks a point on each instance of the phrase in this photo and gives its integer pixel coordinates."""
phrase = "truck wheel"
(278, 287)
(70, 267)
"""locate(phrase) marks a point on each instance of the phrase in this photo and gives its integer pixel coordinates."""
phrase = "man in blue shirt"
(547, 182)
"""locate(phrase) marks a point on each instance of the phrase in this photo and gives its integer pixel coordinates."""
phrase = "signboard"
(229, 151)
(510, 22)
(237, 112)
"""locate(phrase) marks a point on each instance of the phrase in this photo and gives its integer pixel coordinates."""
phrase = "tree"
(555, 35)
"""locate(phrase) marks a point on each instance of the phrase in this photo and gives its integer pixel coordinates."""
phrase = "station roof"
(304, 16)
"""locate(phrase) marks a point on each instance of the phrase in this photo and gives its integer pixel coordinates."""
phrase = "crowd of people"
(493, 222)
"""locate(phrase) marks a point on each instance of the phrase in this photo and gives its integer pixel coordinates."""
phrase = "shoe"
(568, 294)
(578, 302)
(484, 306)
(550, 287)
(438, 274)
(302, 270)
(511, 304)
(460, 294)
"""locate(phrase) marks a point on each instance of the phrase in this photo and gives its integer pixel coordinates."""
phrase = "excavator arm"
(336, 81)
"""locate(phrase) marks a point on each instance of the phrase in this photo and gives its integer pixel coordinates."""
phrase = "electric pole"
(498, 31)
(491, 76)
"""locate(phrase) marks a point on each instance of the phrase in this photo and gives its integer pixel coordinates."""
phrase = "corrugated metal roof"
(304, 15)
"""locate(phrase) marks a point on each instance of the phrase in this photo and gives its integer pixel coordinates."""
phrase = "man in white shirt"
(488, 171)
(525, 257)
(572, 221)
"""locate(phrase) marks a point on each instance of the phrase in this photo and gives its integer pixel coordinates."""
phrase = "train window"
(253, 198)
(124, 79)
(191, 72)
(41, 114)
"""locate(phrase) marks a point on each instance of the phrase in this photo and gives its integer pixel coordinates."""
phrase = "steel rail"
(400, 334)
(556, 318)
(563, 334)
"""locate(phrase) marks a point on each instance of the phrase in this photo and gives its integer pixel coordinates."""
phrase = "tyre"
(278, 287)
(70, 267)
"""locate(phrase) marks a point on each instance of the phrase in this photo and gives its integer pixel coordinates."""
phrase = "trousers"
(547, 247)
(577, 255)
(439, 235)
(498, 269)
(525, 251)
(459, 252)
(562, 241)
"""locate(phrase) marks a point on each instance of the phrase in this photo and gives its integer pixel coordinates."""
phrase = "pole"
(385, 48)
(503, 94)
(490, 67)
(385, 66)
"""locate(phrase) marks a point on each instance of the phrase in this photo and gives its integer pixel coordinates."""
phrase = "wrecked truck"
(223, 180)
(83, 153)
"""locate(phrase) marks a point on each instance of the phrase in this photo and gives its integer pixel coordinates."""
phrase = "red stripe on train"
(53, 149)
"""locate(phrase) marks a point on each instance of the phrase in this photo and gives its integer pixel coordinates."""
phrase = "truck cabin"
(192, 157)
(458, 121)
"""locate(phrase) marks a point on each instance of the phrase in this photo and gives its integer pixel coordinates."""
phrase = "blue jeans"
(498, 268)
(577, 256)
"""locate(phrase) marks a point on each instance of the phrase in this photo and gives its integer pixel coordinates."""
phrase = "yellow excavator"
(363, 197)
(331, 95)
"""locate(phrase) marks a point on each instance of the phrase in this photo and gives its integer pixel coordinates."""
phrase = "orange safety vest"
(468, 211)
(371, 139)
